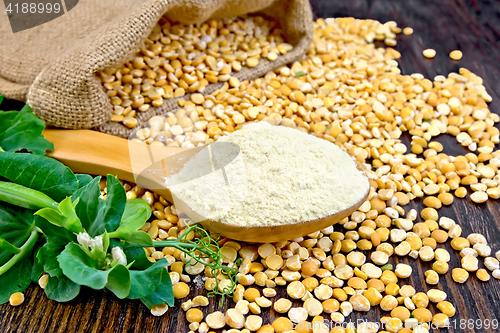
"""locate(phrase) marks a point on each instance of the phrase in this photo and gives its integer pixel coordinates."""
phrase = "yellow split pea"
(407, 31)
(429, 53)
(456, 55)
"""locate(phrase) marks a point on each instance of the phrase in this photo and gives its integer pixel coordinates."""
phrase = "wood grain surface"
(472, 26)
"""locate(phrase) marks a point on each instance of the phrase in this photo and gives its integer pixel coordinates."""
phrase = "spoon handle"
(95, 153)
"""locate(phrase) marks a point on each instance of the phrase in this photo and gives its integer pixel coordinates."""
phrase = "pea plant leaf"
(57, 238)
(88, 201)
(37, 269)
(61, 289)
(144, 282)
(140, 237)
(300, 74)
(6, 246)
(22, 130)
(162, 294)
(136, 213)
(15, 227)
(53, 232)
(135, 254)
(111, 210)
(47, 257)
(40, 173)
(17, 279)
(98, 215)
(80, 268)
(65, 216)
(119, 281)
(83, 179)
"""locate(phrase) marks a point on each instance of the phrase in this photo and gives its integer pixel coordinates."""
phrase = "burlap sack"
(53, 66)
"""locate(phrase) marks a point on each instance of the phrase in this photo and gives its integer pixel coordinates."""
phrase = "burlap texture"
(53, 67)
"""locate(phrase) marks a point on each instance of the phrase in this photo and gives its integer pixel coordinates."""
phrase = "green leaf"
(105, 242)
(81, 269)
(300, 74)
(15, 227)
(111, 210)
(119, 281)
(386, 267)
(1, 98)
(17, 279)
(83, 179)
(61, 289)
(64, 217)
(40, 173)
(135, 254)
(98, 215)
(47, 257)
(53, 232)
(136, 213)
(37, 269)
(144, 282)
(162, 294)
(140, 237)
(57, 238)
(88, 203)
(22, 130)
(6, 246)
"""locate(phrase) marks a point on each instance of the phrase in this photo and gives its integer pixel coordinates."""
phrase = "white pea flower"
(96, 243)
(119, 255)
(84, 239)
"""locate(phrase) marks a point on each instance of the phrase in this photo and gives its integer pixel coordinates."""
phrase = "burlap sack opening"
(53, 67)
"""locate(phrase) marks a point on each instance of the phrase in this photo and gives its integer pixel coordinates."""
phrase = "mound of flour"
(280, 176)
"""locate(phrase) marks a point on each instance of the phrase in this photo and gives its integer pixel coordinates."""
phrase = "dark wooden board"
(472, 26)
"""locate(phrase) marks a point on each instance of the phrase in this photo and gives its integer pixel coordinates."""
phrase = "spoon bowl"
(97, 153)
(271, 233)
(277, 233)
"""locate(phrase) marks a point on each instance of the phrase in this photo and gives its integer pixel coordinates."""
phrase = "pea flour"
(280, 176)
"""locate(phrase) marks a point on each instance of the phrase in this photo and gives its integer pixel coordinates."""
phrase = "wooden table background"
(472, 26)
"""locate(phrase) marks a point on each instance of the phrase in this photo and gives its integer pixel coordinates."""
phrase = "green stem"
(25, 249)
(181, 246)
(204, 247)
(1, 150)
(114, 234)
(182, 243)
(174, 243)
(170, 243)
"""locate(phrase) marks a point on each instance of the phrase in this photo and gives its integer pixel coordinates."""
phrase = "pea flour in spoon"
(280, 176)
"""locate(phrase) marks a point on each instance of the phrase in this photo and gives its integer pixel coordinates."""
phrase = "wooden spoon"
(96, 153)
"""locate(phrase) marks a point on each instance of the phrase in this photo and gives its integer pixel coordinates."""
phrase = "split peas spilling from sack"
(179, 59)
